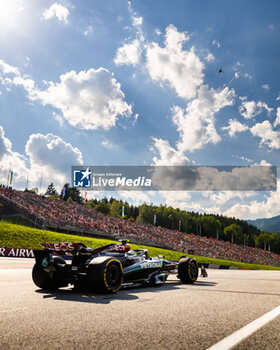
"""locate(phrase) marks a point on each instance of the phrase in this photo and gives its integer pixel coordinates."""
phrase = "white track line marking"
(241, 334)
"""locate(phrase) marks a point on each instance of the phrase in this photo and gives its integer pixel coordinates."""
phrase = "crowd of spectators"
(51, 212)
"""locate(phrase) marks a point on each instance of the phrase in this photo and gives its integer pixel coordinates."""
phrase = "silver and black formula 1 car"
(105, 269)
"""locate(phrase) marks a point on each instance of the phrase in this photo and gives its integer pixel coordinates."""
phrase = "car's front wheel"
(188, 270)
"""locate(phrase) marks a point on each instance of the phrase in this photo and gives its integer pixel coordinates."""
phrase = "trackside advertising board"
(16, 253)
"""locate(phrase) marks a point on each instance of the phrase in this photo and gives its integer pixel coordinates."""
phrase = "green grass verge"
(16, 236)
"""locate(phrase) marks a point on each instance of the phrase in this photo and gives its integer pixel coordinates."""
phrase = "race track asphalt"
(173, 316)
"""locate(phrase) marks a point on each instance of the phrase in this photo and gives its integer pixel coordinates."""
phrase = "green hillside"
(269, 225)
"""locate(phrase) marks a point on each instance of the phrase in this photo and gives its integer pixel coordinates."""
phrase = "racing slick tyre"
(188, 270)
(42, 278)
(105, 275)
(53, 279)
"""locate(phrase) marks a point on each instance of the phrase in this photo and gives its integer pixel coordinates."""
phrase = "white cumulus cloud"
(209, 57)
(47, 156)
(222, 197)
(52, 153)
(234, 127)
(277, 120)
(196, 124)
(58, 11)
(87, 100)
(180, 69)
(7, 69)
(5, 144)
(255, 209)
(128, 53)
(250, 109)
(268, 136)
(167, 154)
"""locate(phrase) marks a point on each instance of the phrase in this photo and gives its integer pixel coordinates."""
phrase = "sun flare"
(9, 12)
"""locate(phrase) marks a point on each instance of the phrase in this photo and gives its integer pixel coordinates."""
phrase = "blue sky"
(137, 83)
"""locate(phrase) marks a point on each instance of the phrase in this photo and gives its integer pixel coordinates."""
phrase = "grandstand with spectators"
(62, 216)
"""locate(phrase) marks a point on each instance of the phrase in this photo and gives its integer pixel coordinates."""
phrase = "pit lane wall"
(16, 253)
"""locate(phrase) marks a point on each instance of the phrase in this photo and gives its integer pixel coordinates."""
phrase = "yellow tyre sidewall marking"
(105, 279)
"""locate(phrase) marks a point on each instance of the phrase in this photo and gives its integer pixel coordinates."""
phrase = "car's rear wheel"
(105, 276)
(188, 270)
(54, 279)
(42, 279)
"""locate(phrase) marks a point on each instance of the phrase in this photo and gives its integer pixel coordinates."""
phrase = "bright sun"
(9, 11)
